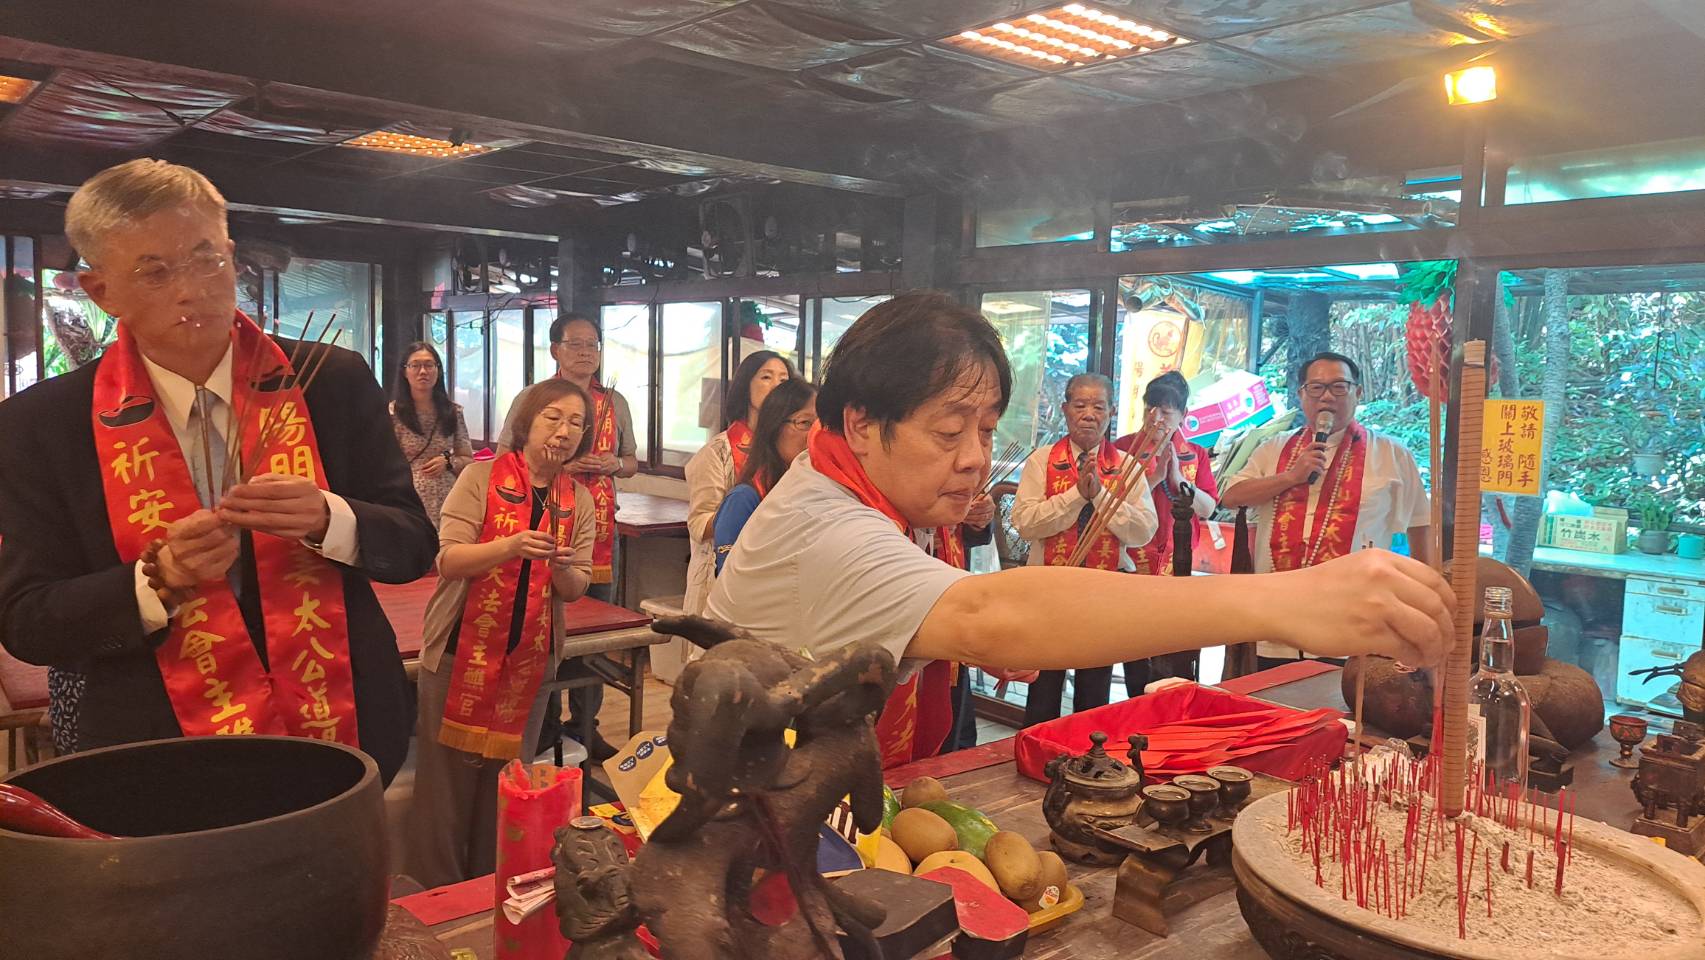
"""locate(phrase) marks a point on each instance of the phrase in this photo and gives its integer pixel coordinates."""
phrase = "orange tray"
(1044, 920)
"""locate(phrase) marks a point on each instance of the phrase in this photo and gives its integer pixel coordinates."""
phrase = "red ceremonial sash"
(491, 686)
(919, 713)
(602, 486)
(212, 672)
(1334, 528)
(1061, 477)
(1155, 557)
(739, 446)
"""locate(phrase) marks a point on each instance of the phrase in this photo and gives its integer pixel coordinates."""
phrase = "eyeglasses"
(201, 266)
(1338, 388)
(421, 366)
(802, 424)
(582, 346)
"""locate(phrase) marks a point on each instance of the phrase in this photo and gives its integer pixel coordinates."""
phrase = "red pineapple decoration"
(1428, 337)
(1428, 288)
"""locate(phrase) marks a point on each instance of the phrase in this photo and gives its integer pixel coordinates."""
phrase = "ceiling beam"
(515, 92)
(279, 191)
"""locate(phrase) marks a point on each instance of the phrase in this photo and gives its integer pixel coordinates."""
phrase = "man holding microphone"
(1331, 488)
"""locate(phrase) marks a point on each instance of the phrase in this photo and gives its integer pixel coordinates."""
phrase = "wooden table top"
(1202, 905)
(649, 515)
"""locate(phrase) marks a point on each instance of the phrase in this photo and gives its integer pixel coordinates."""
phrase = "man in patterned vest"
(1061, 488)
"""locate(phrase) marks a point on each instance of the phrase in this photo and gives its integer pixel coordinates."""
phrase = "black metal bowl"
(262, 848)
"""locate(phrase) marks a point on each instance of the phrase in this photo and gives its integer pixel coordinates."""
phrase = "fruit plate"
(1044, 920)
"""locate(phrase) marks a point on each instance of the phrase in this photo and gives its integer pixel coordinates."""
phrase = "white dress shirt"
(177, 400)
(1393, 500)
(1037, 516)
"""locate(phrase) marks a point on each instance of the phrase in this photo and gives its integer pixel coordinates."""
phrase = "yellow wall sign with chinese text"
(1510, 446)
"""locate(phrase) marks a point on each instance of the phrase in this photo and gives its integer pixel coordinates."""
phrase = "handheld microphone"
(1323, 424)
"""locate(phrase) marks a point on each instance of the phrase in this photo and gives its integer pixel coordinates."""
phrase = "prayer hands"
(433, 466)
(982, 511)
(283, 505)
(532, 545)
(1311, 460)
(198, 548)
(598, 463)
(1375, 602)
(1088, 484)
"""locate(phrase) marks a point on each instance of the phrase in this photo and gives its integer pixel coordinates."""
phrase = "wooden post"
(1465, 554)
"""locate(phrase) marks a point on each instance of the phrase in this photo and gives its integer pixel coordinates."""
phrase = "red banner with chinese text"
(1332, 534)
(212, 672)
(491, 686)
(602, 486)
(1062, 477)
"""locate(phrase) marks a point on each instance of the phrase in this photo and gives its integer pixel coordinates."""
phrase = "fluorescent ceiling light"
(1073, 35)
(15, 89)
(1377, 219)
(389, 141)
(1368, 271)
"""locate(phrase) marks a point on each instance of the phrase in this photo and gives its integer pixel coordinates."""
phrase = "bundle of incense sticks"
(1336, 812)
(1137, 459)
(243, 453)
(997, 471)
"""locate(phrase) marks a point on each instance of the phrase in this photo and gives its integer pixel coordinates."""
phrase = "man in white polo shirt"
(906, 418)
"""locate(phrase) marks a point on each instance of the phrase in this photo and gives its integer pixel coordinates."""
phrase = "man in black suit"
(155, 237)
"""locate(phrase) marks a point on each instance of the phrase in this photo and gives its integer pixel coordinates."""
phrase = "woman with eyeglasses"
(517, 531)
(712, 471)
(430, 429)
(784, 423)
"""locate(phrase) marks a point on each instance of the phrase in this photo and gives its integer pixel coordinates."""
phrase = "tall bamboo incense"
(1465, 555)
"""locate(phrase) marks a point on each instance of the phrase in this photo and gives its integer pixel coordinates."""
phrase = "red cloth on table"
(1191, 728)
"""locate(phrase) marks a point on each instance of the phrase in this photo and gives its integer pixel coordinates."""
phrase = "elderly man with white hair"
(198, 595)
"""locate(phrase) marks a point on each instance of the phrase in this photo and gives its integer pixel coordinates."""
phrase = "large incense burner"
(1622, 896)
(261, 848)
(1389, 859)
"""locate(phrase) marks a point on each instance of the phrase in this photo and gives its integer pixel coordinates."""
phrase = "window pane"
(1624, 171)
(469, 386)
(837, 315)
(1166, 323)
(777, 323)
(544, 365)
(692, 358)
(1628, 444)
(328, 289)
(627, 364)
(1018, 218)
(508, 347)
(18, 310)
(1046, 333)
(76, 330)
(378, 362)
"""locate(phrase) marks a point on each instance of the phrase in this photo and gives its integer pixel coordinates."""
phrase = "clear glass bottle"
(1499, 711)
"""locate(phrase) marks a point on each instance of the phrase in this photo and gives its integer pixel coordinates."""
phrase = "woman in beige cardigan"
(516, 535)
(711, 474)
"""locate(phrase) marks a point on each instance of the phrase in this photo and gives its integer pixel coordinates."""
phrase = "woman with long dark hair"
(710, 473)
(783, 424)
(430, 429)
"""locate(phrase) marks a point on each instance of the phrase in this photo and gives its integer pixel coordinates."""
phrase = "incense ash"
(1506, 872)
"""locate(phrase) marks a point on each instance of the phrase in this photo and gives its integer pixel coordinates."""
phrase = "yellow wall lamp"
(1471, 85)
